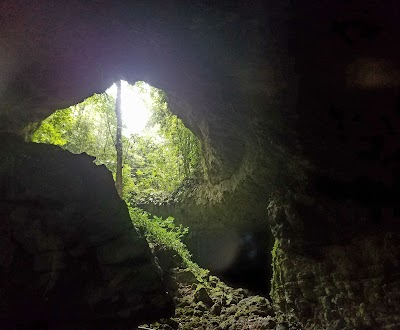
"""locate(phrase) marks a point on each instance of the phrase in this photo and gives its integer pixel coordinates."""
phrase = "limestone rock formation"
(336, 276)
(69, 253)
(204, 302)
(296, 105)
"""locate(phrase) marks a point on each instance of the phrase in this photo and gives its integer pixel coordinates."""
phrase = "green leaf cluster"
(55, 129)
(153, 167)
(86, 127)
(164, 232)
(182, 142)
(154, 170)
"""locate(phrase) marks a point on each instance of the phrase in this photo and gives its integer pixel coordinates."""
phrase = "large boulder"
(68, 250)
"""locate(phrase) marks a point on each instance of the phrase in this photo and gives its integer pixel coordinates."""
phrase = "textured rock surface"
(204, 302)
(68, 250)
(343, 281)
(229, 237)
(292, 100)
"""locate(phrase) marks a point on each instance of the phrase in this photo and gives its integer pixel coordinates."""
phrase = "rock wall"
(69, 253)
(228, 228)
(229, 236)
(338, 276)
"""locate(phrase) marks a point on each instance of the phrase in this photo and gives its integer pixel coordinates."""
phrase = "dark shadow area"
(251, 269)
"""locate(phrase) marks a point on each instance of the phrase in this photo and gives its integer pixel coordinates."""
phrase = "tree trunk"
(118, 141)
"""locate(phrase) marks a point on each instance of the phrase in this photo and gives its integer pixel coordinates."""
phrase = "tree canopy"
(154, 165)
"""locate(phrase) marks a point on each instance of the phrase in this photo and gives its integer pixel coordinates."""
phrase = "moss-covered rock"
(343, 284)
(208, 304)
(201, 295)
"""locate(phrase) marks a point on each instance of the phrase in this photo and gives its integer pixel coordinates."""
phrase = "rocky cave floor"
(204, 302)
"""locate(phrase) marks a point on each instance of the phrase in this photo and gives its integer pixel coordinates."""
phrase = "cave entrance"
(161, 159)
(159, 153)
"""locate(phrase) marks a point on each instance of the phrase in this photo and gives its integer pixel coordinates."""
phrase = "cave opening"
(297, 108)
(162, 160)
(159, 154)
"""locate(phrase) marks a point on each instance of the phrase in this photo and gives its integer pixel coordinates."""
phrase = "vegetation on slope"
(154, 164)
(153, 168)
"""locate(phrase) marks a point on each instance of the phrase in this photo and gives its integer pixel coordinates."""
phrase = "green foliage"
(86, 127)
(55, 129)
(277, 269)
(164, 232)
(182, 142)
(152, 168)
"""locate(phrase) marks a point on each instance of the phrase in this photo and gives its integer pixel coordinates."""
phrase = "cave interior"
(297, 106)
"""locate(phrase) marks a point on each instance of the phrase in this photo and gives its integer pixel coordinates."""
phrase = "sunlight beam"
(135, 106)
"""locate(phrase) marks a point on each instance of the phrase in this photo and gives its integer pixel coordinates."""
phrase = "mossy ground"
(207, 303)
(204, 302)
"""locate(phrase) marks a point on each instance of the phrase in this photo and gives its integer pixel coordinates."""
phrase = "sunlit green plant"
(159, 231)
(165, 233)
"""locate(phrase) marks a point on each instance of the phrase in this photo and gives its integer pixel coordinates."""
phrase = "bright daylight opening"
(158, 152)
(135, 106)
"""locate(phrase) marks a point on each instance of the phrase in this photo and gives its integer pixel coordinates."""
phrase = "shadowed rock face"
(69, 252)
(297, 106)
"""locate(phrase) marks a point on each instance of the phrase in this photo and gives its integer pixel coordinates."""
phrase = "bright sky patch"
(135, 107)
